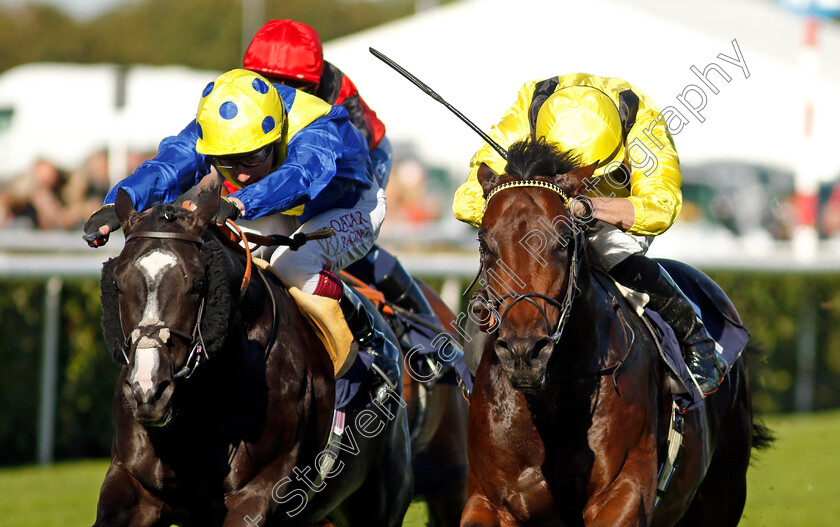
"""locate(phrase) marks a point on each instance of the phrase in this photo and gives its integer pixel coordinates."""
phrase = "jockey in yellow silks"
(635, 194)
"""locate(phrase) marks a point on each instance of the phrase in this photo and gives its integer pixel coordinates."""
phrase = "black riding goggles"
(249, 160)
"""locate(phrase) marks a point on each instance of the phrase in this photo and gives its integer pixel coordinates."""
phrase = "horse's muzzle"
(524, 360)
(150, 407)
(149, 386)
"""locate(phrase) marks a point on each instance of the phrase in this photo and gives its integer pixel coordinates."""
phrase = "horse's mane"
(531, 158)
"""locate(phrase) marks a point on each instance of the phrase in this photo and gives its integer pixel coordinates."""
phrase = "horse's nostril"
(504, 353)
(542, 350)
(162, 386)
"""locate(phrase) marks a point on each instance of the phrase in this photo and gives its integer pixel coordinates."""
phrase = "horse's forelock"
(532, 158)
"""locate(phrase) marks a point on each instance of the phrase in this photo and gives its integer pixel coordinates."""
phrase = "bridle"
(564, 307)
(196, 340)
(231, 233)
(198, 349)
(579, 227)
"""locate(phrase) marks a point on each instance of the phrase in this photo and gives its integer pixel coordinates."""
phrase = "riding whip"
(430, 92)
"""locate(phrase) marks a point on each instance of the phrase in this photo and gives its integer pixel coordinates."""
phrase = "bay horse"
(224, 407)
(571, 403)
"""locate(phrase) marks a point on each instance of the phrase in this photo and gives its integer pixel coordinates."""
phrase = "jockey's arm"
(468, 205)
(615, 211)
(315, 173)
(176, 168)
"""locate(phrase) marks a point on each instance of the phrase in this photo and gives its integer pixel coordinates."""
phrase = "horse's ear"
(578, 180)
(125, 210)
(206, 206)
(487, 178)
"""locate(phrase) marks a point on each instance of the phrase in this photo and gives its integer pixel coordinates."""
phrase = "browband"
(529, 183)
(165, 236)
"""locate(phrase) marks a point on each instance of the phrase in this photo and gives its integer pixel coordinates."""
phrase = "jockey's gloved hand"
(105, 216)
(227, 211)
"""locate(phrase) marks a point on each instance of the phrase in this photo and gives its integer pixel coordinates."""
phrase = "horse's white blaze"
(146, 362)
(154, 266)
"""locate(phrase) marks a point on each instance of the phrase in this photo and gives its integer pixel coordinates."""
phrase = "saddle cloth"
(729, 335)
(351, 367)
(419, 333)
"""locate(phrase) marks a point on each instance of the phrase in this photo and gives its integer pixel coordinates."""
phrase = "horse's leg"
(622, 504)
(446, 452)
(721, 496)
(249, 506)
(442, 465)
(384, 497)
(479, 512)
(124, 502)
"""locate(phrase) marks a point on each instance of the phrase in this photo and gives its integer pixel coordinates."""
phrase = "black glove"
(104, 216)
(227, 211)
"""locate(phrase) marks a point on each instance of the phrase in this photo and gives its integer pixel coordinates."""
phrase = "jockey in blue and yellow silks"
(290, 52)
(319, 162)
(635, 195)
(298, 165)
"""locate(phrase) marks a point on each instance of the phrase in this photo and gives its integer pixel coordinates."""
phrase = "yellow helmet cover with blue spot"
(239, 112)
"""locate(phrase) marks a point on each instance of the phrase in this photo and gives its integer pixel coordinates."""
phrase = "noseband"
(565, 306)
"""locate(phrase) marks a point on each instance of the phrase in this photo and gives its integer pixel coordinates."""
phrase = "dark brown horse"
(571, 405)
(224, 408)
(439, 447)
(437, 416)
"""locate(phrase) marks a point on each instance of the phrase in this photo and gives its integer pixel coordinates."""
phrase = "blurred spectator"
(410, 200)
(48, 198)
(36, 198)
(829, 214)
(87, 187)
(781, 217)
(16, 208)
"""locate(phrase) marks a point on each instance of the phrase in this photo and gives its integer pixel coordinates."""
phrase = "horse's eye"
(116, 285)
(566, 243)
(198, 286)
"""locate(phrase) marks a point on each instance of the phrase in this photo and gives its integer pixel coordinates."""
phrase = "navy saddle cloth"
(716, 312)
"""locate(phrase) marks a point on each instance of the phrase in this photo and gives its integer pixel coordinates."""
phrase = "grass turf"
(793, 483)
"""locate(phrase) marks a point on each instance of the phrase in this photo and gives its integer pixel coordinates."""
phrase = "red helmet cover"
(286, 49)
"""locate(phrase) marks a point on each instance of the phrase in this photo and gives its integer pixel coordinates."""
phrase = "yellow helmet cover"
(585, 120)
(239, 112)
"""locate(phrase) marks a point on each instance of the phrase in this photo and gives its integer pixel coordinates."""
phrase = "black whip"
(430, 92)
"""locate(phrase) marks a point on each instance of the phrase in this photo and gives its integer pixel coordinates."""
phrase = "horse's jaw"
(526, 380)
